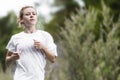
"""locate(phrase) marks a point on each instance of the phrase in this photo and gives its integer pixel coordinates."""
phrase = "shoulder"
(17, 35)
(45, 33)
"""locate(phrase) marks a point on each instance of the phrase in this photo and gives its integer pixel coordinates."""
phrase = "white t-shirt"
(32, 62)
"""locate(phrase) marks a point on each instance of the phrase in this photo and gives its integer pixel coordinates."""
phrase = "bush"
(90, 46)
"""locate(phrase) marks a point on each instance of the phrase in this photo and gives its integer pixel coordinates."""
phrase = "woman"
(30, 48)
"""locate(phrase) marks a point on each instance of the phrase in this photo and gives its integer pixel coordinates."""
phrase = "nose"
(31, 16)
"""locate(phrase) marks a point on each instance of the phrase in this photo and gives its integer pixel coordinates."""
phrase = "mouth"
(32, 19)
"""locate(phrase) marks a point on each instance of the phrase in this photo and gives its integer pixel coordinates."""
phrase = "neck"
(30, 29)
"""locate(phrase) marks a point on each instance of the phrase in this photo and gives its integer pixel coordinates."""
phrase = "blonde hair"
(21, 14)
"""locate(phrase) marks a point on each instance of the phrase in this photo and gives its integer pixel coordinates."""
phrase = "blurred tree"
(8, 26)
(114, 5)
(65, 9)
(99, 5)
(93, 3)
(87, 58)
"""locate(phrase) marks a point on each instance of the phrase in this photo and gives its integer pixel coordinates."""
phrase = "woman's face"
(29, 17)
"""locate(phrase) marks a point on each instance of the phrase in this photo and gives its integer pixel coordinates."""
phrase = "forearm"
(50, 55)
(8, 60)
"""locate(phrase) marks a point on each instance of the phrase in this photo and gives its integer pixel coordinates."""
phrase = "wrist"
(45, 49)
(9, 59)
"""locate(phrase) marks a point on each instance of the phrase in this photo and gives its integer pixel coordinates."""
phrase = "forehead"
(26, 10)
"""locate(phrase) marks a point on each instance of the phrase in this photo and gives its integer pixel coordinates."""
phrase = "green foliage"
(114, 6)
(5, 76)
(8, 26)
(57, 22)
(94, 3)
(90, 44)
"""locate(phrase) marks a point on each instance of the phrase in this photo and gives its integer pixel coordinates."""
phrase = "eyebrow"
(30, 12)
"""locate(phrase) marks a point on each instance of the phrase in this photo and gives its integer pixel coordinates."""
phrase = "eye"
(27, 14)
(34, 13)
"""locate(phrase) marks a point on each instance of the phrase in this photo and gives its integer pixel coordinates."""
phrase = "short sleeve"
(50, 44)
(11, 46)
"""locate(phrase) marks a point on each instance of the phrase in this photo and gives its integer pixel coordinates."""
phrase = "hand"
(38, 45)
(15, 56)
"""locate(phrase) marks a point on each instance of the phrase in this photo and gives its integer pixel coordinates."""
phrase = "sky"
(16, 5)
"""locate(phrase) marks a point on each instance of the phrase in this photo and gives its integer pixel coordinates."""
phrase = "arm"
(49, 54)
(10, 57)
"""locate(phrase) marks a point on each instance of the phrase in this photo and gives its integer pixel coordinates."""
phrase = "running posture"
(30, 48)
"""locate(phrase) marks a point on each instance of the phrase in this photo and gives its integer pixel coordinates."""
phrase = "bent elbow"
(53, 60)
